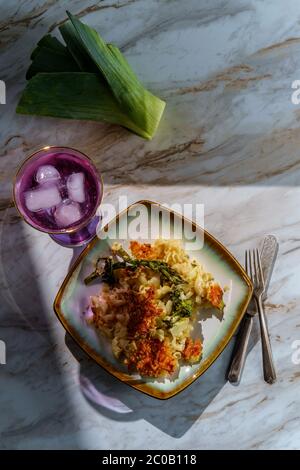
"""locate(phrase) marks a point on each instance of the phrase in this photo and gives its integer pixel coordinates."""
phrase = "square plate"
(73, 299)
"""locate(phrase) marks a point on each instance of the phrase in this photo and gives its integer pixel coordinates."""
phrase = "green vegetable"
(88, 79)
(107, 275)
(73, 96)
(140, 105)
(181, 307)
(50, 55)
(76, 49)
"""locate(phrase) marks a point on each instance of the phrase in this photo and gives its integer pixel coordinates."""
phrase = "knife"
(269, 253)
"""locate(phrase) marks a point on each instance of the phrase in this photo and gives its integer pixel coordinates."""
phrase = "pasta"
(148, 303)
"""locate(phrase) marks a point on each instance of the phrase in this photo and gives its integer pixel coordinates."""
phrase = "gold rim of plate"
(204, 365)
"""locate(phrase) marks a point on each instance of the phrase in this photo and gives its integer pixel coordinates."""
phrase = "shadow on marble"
(119, 402)
(35, 409)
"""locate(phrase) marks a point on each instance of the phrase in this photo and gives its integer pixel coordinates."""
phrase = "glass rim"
(63, 230)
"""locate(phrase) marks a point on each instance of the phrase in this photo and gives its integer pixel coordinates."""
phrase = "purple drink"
(58, 191)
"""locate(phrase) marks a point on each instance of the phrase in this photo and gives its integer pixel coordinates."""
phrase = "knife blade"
(269, 251)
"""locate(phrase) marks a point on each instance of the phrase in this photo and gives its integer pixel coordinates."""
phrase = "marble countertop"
(230, 138)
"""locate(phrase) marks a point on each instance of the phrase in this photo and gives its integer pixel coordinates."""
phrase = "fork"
(254, 271)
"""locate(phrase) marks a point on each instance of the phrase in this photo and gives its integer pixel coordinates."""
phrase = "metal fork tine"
(246, 262)
(250, 267)
(255, 268)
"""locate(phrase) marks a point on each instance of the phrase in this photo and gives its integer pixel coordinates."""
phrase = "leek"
(73, 96)
(87, 79)
(50, 55)
(84, 62)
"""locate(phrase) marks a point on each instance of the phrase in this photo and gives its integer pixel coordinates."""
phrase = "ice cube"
(43, 197)
(67, 213)
(75, 186)
(46, 173)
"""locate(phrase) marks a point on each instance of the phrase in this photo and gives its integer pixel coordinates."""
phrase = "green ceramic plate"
(73, 297)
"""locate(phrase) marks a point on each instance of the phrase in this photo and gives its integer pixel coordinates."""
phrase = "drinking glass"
(58, 190)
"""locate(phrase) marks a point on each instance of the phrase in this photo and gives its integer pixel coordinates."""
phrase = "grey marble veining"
(230, 138)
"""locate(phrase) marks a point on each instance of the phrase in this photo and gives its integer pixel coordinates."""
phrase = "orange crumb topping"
(142, 312)
(192, 350)
(153, 358)
(142, 250)
(215, 295)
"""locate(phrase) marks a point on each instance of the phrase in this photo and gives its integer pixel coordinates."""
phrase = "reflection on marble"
(230, 138)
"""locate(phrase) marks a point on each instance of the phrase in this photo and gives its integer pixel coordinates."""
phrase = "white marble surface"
(230, 138)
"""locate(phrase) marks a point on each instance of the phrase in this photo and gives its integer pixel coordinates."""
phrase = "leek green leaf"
(50, 55)
(49, 42)
(140, 105)
(122, 61)
(76, 49)
(87, 79)
(73, 96)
